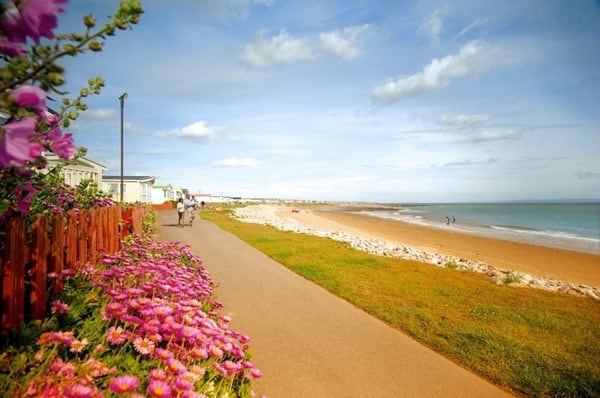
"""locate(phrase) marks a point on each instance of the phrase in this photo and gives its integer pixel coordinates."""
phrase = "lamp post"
(122, 99)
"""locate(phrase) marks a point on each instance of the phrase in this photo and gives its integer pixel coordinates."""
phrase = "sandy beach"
(564, 265)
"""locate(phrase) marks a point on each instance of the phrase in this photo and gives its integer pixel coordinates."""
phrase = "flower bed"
(144, 321)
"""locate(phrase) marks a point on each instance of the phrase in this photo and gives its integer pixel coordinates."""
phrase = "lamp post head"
(123, 96)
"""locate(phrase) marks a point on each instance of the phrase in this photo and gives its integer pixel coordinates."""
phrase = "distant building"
(135, 188)
(162, 193)
(208, 198)
(77, 170)
(179, 192)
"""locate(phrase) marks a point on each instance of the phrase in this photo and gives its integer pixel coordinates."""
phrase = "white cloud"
(464, 120)
(343, 42)
(473, 25)
(278, 50)
(283, 48)
(472, 59)
(471, 162)
(133, 128)
(235, 162)
(497, 134)
(197, 131)
(99, 114)
(432, 25)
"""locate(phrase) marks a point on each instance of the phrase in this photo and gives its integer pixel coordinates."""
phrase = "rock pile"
(267, 215)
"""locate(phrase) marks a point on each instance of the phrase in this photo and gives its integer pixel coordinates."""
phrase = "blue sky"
(381, 101)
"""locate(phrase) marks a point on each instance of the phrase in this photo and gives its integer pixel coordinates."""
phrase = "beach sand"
(559, 264)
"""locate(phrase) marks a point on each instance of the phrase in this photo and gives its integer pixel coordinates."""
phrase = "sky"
(349, 100)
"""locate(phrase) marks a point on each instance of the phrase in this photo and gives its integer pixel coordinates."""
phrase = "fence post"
(101, 223)
(82, 236)
(13, 284)
(57, 248)
(71, 239)
(39, 256)
(92, 228)
(126, 222)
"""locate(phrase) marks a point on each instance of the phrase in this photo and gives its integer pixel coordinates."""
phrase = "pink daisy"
(79, 391)
(175, 366)
(158, 374)
(124, 384)
(78, 345)
(159, 389)
(116, 335)
(143, 345)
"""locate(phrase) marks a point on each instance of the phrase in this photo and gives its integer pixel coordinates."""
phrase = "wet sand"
(564, 265)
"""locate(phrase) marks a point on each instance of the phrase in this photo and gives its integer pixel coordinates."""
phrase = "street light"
(122, 99)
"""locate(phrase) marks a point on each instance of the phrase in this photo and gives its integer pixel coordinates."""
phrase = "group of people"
(187, 205)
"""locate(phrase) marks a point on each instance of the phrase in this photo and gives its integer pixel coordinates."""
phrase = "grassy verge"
(532, 342)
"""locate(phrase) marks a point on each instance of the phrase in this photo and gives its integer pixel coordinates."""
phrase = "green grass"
(533, 342)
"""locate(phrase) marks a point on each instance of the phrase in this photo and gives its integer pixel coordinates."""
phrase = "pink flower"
(35, 19)
(40, 17)
(255, 373)
(16, 147)
(23, 196)
(116, 335)
(63, 146)
(31, 97)
(157, 374)
(58, 307)
(182, 384)
(143, 345)
(78, 345)
(175, 366)
(124, 384)
(163, 354)
(79, 391)
(11, 48)
(159, 389)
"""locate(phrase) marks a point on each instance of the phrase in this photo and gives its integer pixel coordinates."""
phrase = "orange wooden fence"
(56, 242)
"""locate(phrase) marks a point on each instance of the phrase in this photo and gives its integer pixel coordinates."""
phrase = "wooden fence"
(55, 243)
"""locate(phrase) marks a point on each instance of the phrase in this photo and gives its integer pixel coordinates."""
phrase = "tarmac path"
(308, 342)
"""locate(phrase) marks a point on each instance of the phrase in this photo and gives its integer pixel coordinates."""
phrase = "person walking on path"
(180, 211)
(190, 206)
(310, 343)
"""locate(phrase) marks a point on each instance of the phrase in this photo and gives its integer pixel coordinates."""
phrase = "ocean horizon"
(572, 225)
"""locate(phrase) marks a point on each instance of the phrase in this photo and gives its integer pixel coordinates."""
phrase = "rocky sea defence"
(267, 215)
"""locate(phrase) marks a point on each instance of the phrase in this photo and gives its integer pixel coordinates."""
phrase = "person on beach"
(180, 211)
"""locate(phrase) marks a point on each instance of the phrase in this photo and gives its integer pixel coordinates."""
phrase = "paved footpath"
(310, 343)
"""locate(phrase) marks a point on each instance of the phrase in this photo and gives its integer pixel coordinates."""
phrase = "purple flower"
(31, 97)
(58, 307)
(158, 389)
(63, 146)
(11, 48)
(16, 147)
(23, 196)
(35, 19)
(124, 384)
(79, 391)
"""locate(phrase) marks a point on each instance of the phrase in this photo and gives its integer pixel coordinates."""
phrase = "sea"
(573, 225)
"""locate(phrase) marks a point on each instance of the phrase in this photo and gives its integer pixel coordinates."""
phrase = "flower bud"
(55, 78)
(70, 49)
(84, 92)
(95, 46)
(89, 21)
(121, 23)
